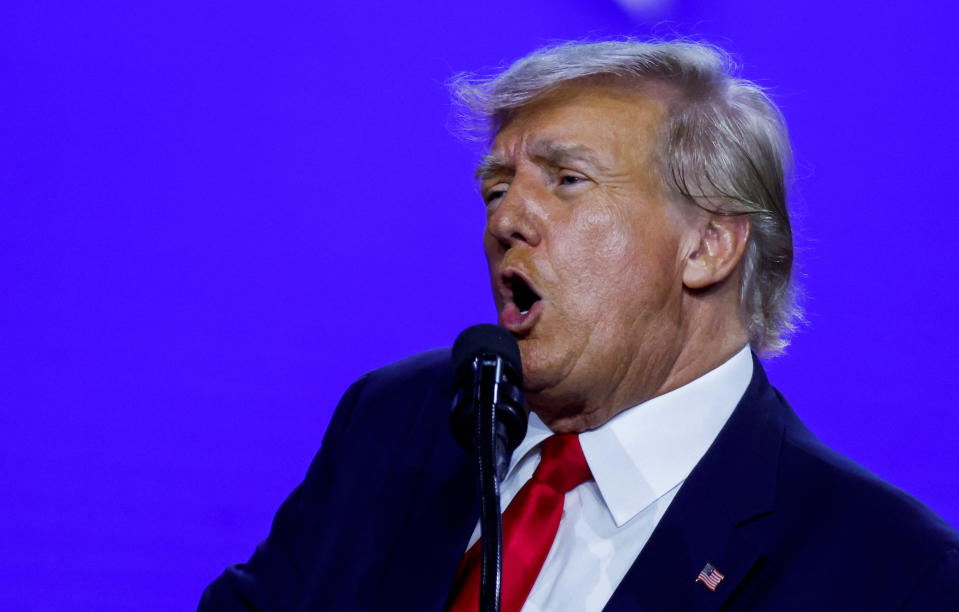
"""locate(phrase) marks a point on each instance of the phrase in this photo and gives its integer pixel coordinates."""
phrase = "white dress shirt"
(639, 460)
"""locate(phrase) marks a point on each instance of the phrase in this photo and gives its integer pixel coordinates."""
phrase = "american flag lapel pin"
(710, 576)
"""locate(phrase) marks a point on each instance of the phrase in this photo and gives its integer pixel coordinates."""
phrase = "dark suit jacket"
(387, 508)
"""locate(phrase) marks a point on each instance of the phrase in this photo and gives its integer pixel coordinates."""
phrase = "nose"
(517, 218)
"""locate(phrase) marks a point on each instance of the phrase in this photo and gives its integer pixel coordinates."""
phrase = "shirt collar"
(644, 452)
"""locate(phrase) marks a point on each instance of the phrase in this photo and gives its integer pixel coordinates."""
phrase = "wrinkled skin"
(574, 207)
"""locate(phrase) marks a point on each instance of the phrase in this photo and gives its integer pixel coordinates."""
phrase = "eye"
(495, 193)
(568, 179)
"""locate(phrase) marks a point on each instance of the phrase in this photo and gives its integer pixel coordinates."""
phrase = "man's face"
(585, 254)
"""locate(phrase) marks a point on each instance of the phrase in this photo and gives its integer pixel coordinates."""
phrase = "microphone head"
(486, 339)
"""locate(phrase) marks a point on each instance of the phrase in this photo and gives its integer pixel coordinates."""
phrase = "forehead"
(617, 123)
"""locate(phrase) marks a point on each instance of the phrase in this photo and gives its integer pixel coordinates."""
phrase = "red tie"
(529, 526)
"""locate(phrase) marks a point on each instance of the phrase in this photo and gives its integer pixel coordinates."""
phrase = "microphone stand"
(491, 465)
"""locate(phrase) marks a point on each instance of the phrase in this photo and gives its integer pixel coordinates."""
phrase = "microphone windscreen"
(486, 338)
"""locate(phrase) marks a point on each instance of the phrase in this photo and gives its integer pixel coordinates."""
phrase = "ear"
(722, 242)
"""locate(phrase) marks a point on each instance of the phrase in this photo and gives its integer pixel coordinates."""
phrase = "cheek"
(613, 258)
(493, 250)
(593, 258)
(489, 242)
(493, 258)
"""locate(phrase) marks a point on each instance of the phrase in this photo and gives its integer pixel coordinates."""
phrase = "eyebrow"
(548, 151)
(490, 166)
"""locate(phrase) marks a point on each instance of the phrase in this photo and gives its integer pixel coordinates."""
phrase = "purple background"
(213, 217)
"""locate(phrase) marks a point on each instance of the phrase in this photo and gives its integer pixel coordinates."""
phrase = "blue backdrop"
(216, 215)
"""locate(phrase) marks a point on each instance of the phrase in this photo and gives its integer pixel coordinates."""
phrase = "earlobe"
(722, 242)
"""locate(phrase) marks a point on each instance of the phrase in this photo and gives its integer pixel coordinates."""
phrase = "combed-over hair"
(723, 147)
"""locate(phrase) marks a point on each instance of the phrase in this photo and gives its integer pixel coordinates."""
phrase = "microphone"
(489, 373)
(489, 421)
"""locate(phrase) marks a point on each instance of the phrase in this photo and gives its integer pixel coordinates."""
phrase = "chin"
(534, 380)
(545, 387)
(559, 412)
(537, 371)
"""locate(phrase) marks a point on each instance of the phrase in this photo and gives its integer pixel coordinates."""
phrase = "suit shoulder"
(413, 392)
(428, 364)
(420, 372)
(833, 490)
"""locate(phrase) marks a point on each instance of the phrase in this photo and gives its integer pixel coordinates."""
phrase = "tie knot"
(562, 464)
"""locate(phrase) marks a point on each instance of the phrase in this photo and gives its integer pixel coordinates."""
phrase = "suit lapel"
(419, 566)
(717, 516)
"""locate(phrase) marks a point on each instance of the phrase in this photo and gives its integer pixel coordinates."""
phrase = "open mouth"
(523, 295)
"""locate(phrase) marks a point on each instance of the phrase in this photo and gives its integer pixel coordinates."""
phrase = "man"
(639, 245)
